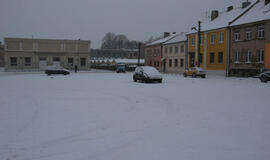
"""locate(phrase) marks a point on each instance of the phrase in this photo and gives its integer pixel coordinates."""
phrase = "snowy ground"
(106, 116)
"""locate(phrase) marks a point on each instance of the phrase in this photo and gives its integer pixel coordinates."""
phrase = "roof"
(223, 20)
(161, 41)
(259, 12)
(178, 38)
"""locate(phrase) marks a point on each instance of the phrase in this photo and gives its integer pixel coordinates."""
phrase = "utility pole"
(199, 44)
(139, 53)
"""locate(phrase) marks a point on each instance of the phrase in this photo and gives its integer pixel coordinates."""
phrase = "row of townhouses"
(35, 54)
(232, 42)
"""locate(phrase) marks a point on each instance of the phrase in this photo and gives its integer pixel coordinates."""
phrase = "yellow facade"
(213, 49)
(193, 49)
(217, 46)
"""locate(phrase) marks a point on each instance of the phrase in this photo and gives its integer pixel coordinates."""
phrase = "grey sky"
(91, 19)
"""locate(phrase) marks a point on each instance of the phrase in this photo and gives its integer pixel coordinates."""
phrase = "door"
(56, 61)
(42, 64)
(191, 59)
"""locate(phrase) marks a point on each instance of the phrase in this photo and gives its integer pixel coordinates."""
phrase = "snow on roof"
(222, 20)
(257, 13)
(163, 40)
(178, 38)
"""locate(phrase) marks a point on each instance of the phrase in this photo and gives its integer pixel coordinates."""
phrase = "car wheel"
(193, 75)
(146, 80)
(203, 76)
(134, 79)
(160, 81)
(263, 79)
(185, 75)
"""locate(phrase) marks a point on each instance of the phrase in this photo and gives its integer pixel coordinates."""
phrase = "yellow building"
(215, 32)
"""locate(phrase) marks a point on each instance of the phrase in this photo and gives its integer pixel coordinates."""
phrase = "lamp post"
(139, 53)
(197, 63)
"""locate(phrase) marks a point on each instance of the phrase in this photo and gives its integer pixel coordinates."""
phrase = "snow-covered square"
(107, 116)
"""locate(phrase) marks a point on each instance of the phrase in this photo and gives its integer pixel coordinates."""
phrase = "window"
(221, 37)
(175, 49)
(220, 57)
(212, 58)
(248, 56)
(181, 62)
(175, 62)
(156, 52)
(149, 52)
(56, 59)
(248, 34)
(182, 49)
(236, 57)
(157, 64)
(237, 36)
(260, 55)
(166, 50)
(13, 61)
(193, 41)
(261, 32)
(42, 59)
(83, 61)
(170, 49)
(200, 58)
(212, 40)
(170, 63)
(27, 61)
(70, 61)
(201, 40)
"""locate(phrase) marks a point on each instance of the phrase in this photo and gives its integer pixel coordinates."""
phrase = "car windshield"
(150, 70)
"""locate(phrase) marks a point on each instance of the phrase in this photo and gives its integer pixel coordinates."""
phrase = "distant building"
(154, 52)
(35, 54)
(174, 54)
(250, 39)
(116, 54)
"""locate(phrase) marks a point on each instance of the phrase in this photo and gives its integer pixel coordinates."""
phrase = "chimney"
(214, 14)
(229, 8)
(245, 4)
(266, 2)
(166, 34)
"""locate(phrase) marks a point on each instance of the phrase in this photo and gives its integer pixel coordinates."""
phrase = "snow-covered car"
(147, 74)
(265, 76)
(195, 72)
(56, 70)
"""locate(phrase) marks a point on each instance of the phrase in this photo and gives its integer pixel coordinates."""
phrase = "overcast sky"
(91, 19)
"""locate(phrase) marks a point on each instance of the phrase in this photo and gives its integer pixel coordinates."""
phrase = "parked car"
(56, 70)
(147, 74)
(265, 76)
(195, 72)
(120, 67)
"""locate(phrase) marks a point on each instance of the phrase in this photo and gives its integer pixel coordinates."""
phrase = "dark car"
(147, 74)
(265, 76)
(56, 70)
(120, 67)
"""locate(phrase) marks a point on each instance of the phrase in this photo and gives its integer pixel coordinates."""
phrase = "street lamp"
(139, 53)
(199, 41)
